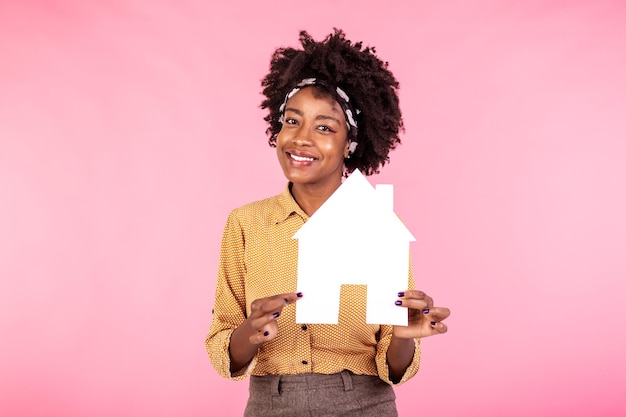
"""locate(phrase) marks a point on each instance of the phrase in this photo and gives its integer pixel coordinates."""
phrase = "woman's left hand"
(424, 318)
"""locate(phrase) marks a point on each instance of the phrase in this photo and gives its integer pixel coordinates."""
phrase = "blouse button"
(304, 327)
(305, 363)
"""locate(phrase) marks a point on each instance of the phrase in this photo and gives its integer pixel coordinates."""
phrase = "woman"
(333, 108)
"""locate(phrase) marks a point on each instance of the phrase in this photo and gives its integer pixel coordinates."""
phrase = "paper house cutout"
(353, 238)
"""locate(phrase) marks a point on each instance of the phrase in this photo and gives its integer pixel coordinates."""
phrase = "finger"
(274, 303)
(412, 303)
(261, 321)
(416, 295)
(437, 313)
(285, 298)
(262, 336)
(439, 327)
(289, 297)
(271, 306)
(267, 310)
(265, 316)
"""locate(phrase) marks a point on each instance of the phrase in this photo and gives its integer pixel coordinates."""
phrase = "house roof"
(359, 211)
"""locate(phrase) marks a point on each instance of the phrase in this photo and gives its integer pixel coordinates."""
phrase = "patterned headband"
(340, 96)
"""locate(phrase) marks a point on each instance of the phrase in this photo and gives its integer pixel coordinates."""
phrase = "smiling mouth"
(301, 158)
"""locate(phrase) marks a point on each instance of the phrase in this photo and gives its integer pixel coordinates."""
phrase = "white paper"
(354, 238)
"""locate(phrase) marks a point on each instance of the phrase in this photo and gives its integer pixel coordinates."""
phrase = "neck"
(311, 197)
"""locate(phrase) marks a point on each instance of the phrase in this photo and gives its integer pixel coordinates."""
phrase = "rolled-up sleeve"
(229, 309)
(381, 358)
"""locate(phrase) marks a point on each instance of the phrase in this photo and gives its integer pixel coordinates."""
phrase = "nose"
(302, 137)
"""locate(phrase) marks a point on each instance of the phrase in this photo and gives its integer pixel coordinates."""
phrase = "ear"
(346, 150)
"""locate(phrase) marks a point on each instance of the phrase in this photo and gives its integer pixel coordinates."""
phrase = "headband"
(340, 97)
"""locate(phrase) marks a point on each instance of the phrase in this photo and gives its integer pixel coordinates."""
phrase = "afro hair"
(360, 73)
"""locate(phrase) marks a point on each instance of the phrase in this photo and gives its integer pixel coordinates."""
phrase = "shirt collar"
(287, 207)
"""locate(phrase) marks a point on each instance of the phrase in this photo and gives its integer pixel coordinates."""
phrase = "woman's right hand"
(259, 327)
(264, 312)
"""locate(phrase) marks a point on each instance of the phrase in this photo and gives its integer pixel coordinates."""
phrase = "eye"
(325, 128)
(290, 121)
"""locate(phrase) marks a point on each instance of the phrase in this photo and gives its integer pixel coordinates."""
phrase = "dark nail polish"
(426, 311)
(433, 323)
(266, 333)
(401, 294)
(299, 294)
(398, 303)
(276, 314)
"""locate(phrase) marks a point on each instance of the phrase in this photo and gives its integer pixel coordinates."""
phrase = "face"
(313, 141)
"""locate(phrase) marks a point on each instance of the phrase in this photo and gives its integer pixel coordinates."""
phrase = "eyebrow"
(319, 117)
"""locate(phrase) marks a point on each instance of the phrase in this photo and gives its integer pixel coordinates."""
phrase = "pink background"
(129, 129)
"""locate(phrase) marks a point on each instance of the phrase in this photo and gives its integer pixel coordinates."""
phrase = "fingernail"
(401, 294)
(426, 311)
(398, 303)
(266, 333)
(276, 314)
(433, 323)
(299, 294)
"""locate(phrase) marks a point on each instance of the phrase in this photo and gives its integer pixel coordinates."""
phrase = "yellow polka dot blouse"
(259, 258)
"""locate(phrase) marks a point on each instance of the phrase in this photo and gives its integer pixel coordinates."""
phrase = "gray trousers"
(319, 395)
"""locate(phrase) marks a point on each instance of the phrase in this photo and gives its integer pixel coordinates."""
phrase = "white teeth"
(302, 158)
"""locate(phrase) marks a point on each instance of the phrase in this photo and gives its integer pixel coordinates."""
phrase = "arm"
(424, 320)
(259, 328)
(235, 338)
(229, 310)
(399, 356)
